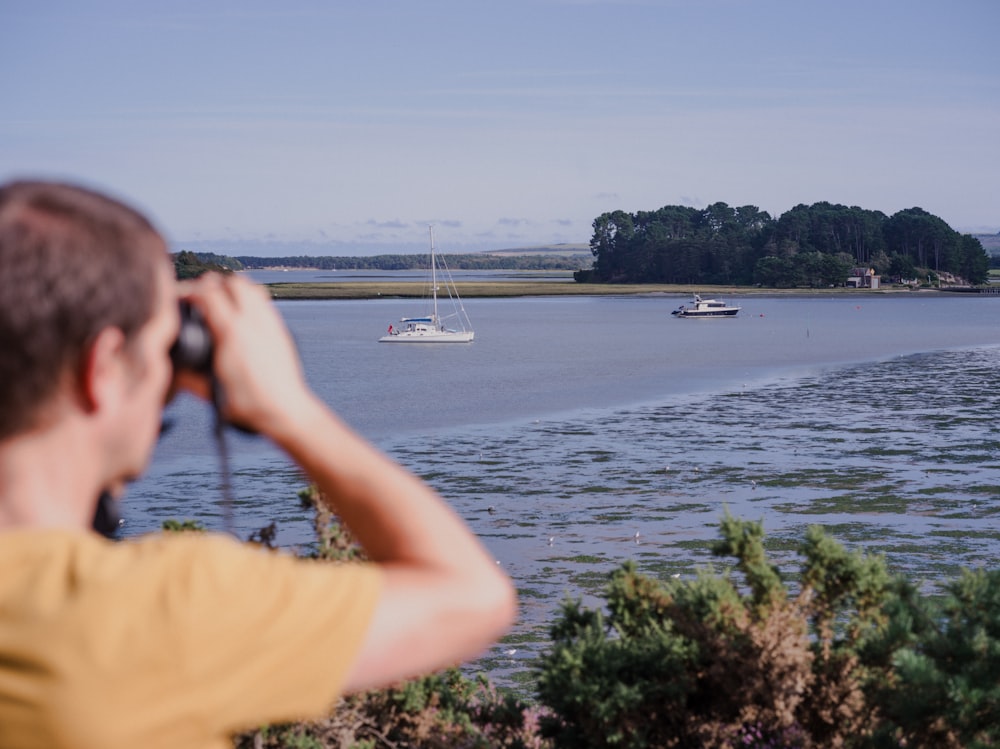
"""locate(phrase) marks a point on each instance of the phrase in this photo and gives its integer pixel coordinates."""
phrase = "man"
(181, 640)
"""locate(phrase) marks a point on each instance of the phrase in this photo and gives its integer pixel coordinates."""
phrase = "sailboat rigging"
(431, 328)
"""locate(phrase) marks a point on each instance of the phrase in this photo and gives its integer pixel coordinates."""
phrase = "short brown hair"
(72, 263)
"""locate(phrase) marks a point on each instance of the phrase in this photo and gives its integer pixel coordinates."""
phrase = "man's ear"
(101, 368)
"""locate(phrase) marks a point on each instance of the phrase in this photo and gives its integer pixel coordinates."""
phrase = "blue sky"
(347, 126)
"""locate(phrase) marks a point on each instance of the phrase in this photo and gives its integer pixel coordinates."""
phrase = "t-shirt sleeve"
(258, 636)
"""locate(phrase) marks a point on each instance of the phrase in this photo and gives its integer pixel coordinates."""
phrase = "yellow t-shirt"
(176, 640)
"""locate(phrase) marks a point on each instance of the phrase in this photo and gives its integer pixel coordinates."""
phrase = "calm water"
(571, 425)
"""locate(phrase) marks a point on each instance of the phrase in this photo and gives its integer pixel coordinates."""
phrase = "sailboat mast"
(434, 283)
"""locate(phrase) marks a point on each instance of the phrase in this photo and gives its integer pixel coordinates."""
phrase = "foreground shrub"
(945, 688)
(442, 711)
(855, 658)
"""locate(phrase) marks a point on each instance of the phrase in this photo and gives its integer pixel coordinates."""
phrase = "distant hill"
(549, 249)
(306, 248)
(990, 242)
(556, 258)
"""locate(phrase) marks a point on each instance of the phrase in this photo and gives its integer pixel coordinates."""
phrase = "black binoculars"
(192, 351)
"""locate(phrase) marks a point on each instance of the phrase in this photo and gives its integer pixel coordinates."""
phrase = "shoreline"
(501, 289)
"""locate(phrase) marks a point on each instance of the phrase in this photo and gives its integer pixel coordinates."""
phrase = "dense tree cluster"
(814, 245)
(191, 265)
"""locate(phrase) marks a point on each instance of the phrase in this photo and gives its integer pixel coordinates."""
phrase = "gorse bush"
(442, 711)
(845, 655)
(855, 658)
(944, 690)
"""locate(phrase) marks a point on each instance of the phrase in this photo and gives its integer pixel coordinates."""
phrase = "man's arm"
(444, 598)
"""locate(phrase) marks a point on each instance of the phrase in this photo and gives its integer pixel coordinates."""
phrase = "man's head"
(73, 263)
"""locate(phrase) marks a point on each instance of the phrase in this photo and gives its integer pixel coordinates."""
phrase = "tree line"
(472, 261)
(809, 245)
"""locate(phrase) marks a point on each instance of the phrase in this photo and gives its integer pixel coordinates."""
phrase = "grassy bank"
(478, 289)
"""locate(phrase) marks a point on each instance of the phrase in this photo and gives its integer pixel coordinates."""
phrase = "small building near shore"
(863, 278)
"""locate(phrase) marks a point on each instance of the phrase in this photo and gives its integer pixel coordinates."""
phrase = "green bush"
(855, 658)
(945, 686)
(442, 711)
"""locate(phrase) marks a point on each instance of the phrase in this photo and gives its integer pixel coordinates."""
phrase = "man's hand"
(255, 360)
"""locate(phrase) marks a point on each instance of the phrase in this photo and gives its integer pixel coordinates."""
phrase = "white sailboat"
(431, 328)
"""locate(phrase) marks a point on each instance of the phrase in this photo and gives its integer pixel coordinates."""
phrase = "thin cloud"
(394, 224)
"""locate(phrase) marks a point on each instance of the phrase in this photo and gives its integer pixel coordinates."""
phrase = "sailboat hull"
(429, 336)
